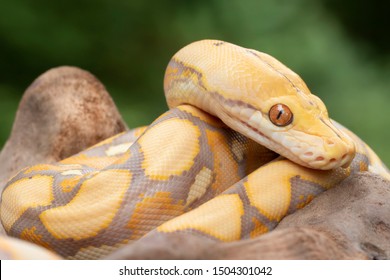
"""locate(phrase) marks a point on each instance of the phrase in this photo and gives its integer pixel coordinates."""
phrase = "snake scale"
(243, 145)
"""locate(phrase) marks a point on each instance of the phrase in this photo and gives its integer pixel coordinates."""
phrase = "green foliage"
(127, 45)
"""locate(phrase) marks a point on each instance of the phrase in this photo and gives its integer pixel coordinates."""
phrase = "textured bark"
(350, 221)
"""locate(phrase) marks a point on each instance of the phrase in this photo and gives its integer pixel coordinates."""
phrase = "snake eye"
(280, 115)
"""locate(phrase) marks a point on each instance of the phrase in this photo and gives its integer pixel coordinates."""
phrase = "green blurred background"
(340, 48)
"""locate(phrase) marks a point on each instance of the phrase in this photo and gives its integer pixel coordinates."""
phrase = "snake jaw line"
(312, 151)
(305, 152)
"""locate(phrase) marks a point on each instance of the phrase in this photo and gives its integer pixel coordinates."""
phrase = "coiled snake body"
(244, 144)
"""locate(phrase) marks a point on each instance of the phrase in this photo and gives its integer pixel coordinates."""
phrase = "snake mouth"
(247, 122)
(307, 150)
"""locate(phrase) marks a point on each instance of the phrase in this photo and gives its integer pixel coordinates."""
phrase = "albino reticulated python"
(244, 144)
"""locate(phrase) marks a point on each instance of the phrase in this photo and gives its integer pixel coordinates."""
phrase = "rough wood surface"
(291, 243)
(355, 215)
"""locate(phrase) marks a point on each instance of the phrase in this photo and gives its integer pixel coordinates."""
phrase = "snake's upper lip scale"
(247, 114)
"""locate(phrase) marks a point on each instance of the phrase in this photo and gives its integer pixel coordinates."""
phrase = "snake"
(243, 144)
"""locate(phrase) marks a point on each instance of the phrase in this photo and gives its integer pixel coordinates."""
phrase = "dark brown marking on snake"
(253, 53)
(231, 102)
(335, 131)
(218, 43)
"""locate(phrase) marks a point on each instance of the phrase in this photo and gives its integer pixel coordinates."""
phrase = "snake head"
(299, 128)
(258, 96)
(278, 111)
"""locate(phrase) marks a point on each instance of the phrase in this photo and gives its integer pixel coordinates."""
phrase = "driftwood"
(64, 111)
(67, 110)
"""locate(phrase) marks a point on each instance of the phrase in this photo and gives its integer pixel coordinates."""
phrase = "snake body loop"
(243, 145)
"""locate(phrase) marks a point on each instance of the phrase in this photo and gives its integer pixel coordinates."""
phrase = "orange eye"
(280, 115)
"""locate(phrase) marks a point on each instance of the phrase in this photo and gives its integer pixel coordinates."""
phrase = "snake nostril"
(332, 160)
(309, 154)
(320, 158)
(329, 142)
